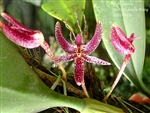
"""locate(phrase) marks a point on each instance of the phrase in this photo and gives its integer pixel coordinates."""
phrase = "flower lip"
(78, 40)
(120, 41)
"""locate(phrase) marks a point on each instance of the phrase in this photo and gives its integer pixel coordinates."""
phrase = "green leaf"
(21, 91)
(47, 22)
(64, 10)
(35, 2)
(129, 16)
(15, 8)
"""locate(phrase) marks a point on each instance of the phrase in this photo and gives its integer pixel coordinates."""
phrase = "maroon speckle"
(120, 42)
(20, 34)
(61, 40)
(79, 52)
(79, 71)
(94, 42)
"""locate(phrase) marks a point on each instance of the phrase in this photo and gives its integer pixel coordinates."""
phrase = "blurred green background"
(29, 13)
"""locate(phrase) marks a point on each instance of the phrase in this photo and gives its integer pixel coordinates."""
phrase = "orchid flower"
(20, 34)
(79, 52)
(124, 46)
(25, 37)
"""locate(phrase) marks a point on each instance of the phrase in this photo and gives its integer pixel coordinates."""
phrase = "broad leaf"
(129, 16)
(21, 91)
(35, 2)
(65, 10)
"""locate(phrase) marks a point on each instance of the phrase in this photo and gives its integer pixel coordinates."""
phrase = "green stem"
(64, 87)
(47, 49)
(57, 100)
(56, 83)
(124, 64)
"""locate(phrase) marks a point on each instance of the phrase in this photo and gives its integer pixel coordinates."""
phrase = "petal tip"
(78, 83)
(109, 63)
(57, 23)
(3, 14)
(57, 26)
(98, 21)
(106, 63)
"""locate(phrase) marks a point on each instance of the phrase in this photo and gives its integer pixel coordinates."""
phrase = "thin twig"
(133, 107)
(52, 79)
(78, 23)
(56, 83)
(47, 49)
(85, 30)
(125, 62)
(84, 89)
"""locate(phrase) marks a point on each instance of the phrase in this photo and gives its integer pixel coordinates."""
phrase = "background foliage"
(35, 21)
(36, 18)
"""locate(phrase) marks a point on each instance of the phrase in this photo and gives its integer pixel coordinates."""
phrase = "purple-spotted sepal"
(20, 34)
(62, 41)
(94, 42)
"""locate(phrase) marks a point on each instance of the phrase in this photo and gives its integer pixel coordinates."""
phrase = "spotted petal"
(92, 59)
(65, 58)
(120, 42)
(94, 42)
(61, 40)
(19, 34)
(79, 71)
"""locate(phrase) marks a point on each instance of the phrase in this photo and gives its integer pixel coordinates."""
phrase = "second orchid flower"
(124, 46)
(25, 37)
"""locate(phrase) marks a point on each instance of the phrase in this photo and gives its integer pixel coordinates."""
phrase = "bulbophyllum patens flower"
(79, 53)
(19, 34)
(120, 41)
(124, 46)
(25, 37)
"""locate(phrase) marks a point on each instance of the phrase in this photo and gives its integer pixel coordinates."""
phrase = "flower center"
(79, 55)
(78, 51)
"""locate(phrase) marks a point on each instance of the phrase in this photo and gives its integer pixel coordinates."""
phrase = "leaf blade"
(22, 89)
(130, 18)
(64, 10)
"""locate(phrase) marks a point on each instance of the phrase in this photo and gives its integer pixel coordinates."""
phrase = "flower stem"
(125, 62)
(47, 49)
(84, 89)
(56, 83)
